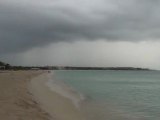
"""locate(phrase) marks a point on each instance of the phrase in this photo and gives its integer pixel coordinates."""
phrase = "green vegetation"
(9, 67)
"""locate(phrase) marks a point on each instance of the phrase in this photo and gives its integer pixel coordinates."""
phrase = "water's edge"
(56, 104)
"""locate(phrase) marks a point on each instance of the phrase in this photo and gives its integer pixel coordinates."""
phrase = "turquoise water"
(116, 95)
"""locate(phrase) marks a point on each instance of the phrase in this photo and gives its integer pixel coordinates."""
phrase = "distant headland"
(6, 66)
(100, 68)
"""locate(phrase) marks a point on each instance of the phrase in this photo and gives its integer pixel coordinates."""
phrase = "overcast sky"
(80, 32)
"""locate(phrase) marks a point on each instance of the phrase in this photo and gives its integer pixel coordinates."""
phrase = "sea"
(110, 94)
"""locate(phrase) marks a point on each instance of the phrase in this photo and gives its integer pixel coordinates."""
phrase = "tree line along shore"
(6, 66)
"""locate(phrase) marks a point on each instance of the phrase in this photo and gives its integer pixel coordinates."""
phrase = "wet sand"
(55, 104)
(16, 101)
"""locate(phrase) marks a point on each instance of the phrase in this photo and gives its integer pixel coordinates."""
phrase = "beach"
(16, 100)
(114, 95)
(52, 100)
(24, 95)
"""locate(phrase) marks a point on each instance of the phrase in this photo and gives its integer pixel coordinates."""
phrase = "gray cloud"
(92, 53)
(27, 24)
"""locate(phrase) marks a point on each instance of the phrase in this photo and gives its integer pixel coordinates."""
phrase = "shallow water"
(116, 95)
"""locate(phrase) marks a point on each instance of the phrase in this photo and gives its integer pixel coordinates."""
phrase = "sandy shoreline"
(16, 101)
(54, 103)
(24, 95)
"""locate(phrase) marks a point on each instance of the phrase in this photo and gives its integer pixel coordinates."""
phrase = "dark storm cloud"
(27, 24)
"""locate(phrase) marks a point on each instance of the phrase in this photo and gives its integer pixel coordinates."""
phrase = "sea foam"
(65, 91)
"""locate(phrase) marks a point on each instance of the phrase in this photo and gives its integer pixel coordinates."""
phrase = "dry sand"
(16, 101)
